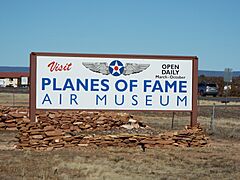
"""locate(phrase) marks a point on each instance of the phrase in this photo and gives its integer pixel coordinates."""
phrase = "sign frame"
(33, 73)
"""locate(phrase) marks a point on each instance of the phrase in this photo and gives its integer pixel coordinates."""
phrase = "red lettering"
(54, 66)
(60, 68)
(69, 66)
(51, 65)
(65, 68)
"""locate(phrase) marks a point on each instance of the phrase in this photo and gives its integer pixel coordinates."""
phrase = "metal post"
(194, 112)
(212, 118)
(13, 97)
(172, 119)
(226, 96)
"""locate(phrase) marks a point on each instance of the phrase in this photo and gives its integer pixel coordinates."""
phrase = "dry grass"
(210, 103)
(215, 161)
(14, 99)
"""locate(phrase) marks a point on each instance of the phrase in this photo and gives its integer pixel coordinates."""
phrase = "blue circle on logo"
(116, 68)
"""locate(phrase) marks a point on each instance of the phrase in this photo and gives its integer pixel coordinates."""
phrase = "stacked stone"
(78, 121)
(9, 117)
(57, 130)
(62, 129)
(193, 137)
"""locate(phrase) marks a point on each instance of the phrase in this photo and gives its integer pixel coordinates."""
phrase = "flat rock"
(68, 139)
(11, 128)
(49, 128)
(65, 126)
(102, 118)
(100, 122)
(35, 130)
(10, 124)
(77, 123)
(37, 136)
(16, 115)
(54, 133)
(83, 145)
(10, 121)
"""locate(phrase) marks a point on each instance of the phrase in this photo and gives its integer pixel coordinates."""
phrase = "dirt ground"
(219, 159)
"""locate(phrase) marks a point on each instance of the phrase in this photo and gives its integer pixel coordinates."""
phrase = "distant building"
(11, 79)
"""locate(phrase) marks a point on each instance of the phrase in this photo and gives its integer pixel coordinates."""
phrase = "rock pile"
(58, 130)
(9, 117)
(86, 121)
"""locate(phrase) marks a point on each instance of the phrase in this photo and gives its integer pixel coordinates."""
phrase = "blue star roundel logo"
(116, 68)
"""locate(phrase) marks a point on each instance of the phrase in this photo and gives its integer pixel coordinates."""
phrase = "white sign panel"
(227, 75)
(113, 83)
(24, 80)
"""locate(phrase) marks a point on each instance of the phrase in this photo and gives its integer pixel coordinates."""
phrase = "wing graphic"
(133, 68)
(98, 67)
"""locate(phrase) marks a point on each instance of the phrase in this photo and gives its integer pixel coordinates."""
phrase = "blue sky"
(209, 29)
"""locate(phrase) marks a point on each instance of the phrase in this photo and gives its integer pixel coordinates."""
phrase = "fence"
(221, 120)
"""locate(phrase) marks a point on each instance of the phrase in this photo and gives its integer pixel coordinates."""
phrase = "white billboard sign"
(102, 83)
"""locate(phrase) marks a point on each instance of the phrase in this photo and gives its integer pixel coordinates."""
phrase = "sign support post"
(32, 96)
(194, 112)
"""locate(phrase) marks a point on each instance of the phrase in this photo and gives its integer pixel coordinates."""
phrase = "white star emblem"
(116, 68)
